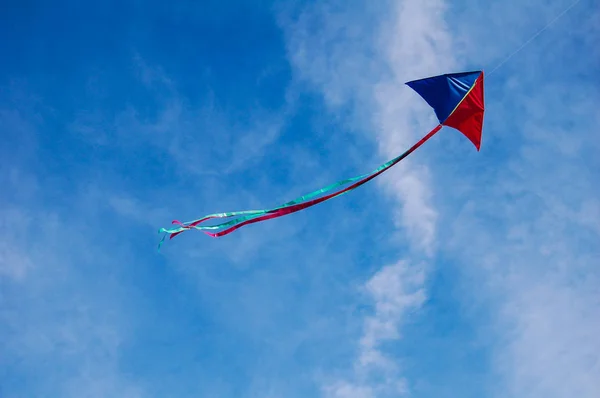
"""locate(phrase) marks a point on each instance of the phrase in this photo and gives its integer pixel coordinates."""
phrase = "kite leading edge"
(458, 102)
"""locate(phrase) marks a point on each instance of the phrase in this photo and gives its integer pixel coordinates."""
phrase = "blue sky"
(457, 273)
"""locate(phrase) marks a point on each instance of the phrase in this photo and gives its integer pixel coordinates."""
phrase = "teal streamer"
(250, 214)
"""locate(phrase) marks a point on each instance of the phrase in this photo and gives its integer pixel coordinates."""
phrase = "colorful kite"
(457, 100)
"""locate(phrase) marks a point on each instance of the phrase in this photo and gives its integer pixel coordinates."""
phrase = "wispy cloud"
(361, 56)
(396, 290)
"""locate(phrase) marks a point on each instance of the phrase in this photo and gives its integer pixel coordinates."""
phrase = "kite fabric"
(458, 102)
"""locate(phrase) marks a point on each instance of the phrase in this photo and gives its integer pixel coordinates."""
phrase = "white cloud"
(360, 56)
(348, 390)
(396, 290)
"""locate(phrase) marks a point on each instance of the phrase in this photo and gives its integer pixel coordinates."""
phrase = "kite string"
(532, 38)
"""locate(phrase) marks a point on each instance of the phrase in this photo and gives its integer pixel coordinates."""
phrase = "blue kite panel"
(443, 93)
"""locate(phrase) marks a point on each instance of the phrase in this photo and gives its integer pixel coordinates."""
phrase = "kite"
(458, 102)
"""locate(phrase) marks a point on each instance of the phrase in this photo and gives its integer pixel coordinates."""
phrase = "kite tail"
(301, 203)
(247, 214)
